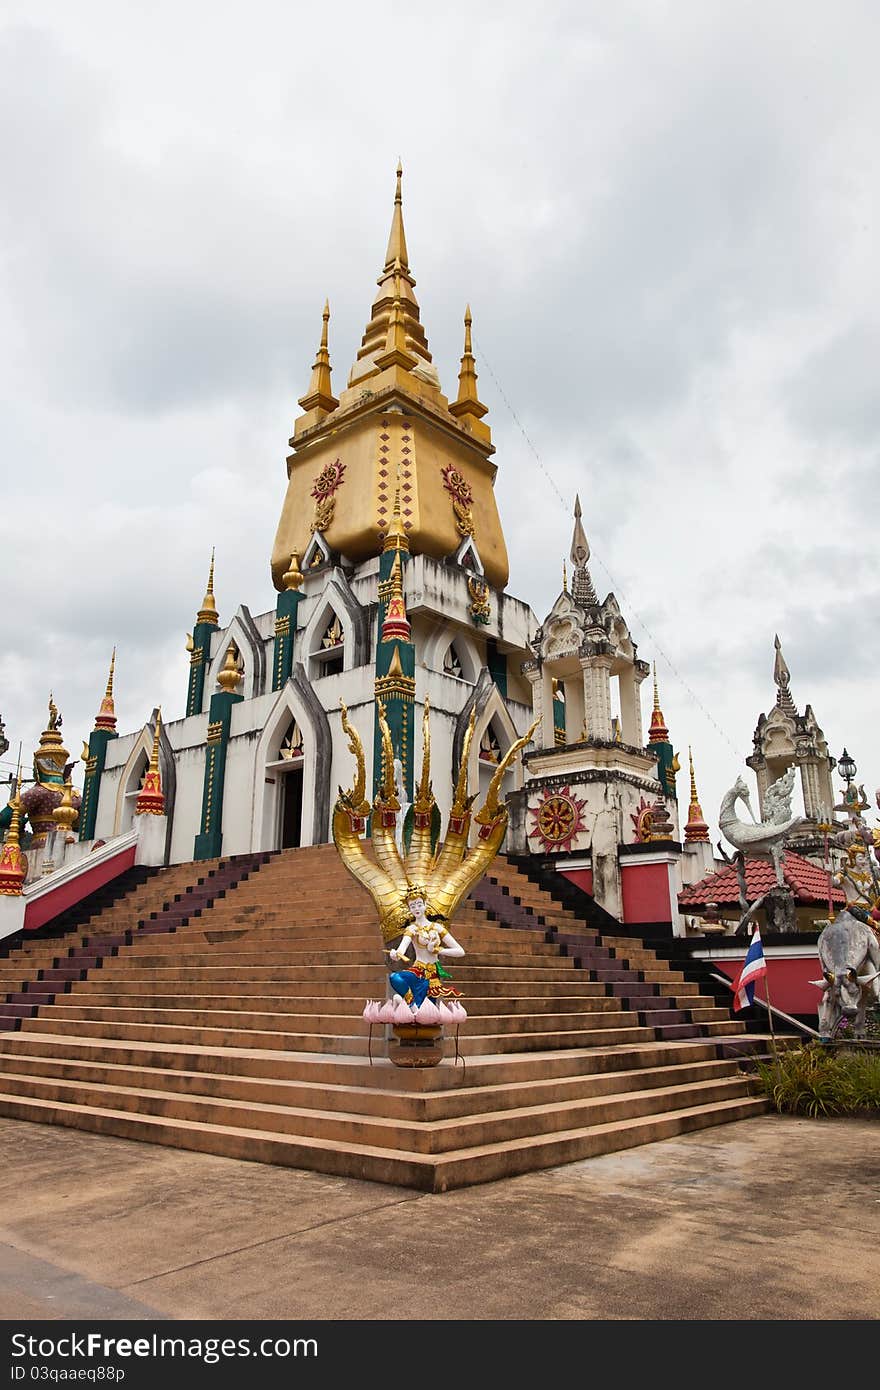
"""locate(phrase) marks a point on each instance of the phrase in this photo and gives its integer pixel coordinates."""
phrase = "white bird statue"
(764, 839)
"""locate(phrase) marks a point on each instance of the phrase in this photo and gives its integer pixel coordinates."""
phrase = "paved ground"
(767, 1218)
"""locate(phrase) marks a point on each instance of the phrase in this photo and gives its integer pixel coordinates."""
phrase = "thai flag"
(754, 966)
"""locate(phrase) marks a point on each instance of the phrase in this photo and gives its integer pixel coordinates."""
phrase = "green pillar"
(395, 670)
(285, 629)
(88, 811)
(210, 839)
(199, 659)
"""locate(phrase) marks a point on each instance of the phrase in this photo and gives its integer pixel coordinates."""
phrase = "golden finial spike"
(396, 538)
(693, 779)
(208, 611)
(658, 732)
(154, 756)
(397, 237)
(696, 828)
(564, 577)
(468, 401)
(320, 395)
(656, 691)
(106, 717)
(109, 690)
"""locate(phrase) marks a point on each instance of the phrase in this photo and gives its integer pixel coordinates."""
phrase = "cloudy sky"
(664, 215)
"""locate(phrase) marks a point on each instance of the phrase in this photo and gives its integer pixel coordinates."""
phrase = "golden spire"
(106, 718)
(468, 401)
(564, 577)
(208, 611)
(320, 395)
(395, 282)
(396, 538)
(13, 865)
(696, 829)
(151, 799)
(293, 577)
(397, 237)
(658, 731)
(397, 353)
(230, 676)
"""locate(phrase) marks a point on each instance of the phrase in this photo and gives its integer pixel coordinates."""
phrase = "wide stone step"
(343, 1022)
(498, 1069)
(363, 1099)
(148, 988)
(358, 970)
(327, 1002)
(436, 1173)
(423, 1137)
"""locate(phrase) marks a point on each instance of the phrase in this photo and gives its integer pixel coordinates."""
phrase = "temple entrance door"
(291, 808)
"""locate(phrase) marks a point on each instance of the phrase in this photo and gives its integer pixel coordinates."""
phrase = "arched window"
(490, 746)
(328, 656)
(452, 663)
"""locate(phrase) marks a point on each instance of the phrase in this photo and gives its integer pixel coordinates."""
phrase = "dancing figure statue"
(424, 977)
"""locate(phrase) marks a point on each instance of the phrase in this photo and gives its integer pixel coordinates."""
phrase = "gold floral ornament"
(462, 495)
(328, 480)
(442, 876)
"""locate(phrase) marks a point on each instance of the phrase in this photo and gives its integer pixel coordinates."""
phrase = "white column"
(574, 710)
(630, 707)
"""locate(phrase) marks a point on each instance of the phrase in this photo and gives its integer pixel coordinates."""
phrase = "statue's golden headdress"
(442, 876)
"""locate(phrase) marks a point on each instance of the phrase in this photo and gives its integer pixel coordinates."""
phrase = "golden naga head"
(440, 876)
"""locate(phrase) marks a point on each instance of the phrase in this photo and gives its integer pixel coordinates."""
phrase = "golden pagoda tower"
(392, 421)
(696, 829)
(106, 718)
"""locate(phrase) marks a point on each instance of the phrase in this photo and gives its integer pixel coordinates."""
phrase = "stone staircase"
(228, 1021)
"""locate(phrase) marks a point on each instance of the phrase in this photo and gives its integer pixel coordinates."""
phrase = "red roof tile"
(808, 883)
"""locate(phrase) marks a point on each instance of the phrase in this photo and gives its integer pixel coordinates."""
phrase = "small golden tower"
(151, 798)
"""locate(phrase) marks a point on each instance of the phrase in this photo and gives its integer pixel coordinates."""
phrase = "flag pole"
(769, 1007)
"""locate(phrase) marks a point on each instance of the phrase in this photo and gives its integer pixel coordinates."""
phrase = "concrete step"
(432, 1173)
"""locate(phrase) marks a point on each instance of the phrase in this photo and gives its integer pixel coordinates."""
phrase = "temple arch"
(279, 778)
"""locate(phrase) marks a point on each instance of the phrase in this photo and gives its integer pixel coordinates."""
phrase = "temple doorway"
(291, 808)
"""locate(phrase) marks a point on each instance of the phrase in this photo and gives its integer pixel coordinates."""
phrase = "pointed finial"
(658, 731)
(106, 717)
(397, 237)
(468, 401)
(320, 395)
(292, 578)
(696, 829)
(564, 577)
(396, 537)
(65, 813)
(154, 756)
(582, 589)
(208, 611)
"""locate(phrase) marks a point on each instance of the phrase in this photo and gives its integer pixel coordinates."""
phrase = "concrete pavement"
(768, 1218)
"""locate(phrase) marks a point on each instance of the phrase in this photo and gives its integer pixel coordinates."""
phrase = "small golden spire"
(106, 717)
(696, 829)
(396, 538)
(397, 353)
(13, 865)
(230, 676)
(658, 732)
(468, 402)
(292, 578)
(151, 798)
(564, 577)
(397, 238)
(208, 611)
(320, 394)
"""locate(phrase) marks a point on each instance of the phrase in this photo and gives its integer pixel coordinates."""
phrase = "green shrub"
(818, 1080)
